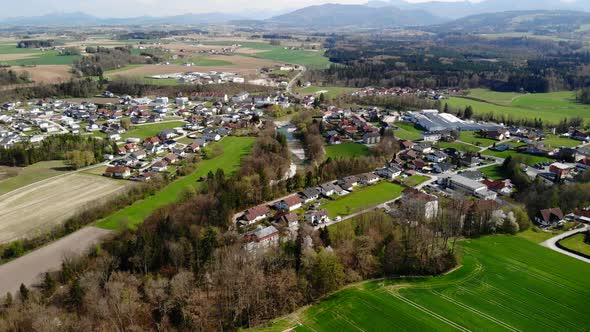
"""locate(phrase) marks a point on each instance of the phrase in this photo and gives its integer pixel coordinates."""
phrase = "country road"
(552, 243)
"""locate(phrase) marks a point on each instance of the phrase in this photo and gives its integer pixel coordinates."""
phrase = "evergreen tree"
(24, 293)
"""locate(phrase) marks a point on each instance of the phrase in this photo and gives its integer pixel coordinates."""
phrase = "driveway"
(552, 243)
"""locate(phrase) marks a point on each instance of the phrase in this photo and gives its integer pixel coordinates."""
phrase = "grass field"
(44, 58)
(504, 283)
(458, 146)
(407, 131)
(149, 130)
(550, 107)
(30, 174)
(346, 150)
(576, 243)
(527, 158)
(234, 148)
(310, 59)
(415, 180)
(203, 62)
(493, 172)
(330, 91)
(554, 141)
(363, 199)
(472, 138)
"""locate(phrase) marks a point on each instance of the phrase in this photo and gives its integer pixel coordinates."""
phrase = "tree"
(76, 294)
(325, 236)
(8, 300)
(23, 293)
(48, 285)
(327, 273)
(468, 112)
(126, 123)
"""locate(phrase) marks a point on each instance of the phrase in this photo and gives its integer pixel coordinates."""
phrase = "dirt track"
(30, 268)
(35, 209)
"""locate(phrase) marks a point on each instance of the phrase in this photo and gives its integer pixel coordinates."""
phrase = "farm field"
(493, 172)
(44, 58)
(346, 150)
(363, 198)
(31, 211)
(330, 91)
(203, 62)
(234, 149)
(503, 283)
(576, 243)
(407, 131)
(550, 107)
(17, 177)
(472, 138)
(47, 73)
(528, 159)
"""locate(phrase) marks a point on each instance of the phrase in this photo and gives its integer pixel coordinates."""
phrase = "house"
(470, 161)
(193, 147)
(502, 187)
(348, 182)
(138, 155)
(389, 172)
(368, 178)
(317, 217)
(262, 238)
(406, 144)
(211, 137)
(290, 219)
(240, 97)
(559, 169)
(443, 167)
(549, 217)
(437, 157)
(328, 189)
(290, 203)
(171, 158)
(310, 194)
(371, 138)
(119, 172)
(424, 203)
(423, 148)
(498, 135)
(160, 166)
(431, 137)
(255, 214)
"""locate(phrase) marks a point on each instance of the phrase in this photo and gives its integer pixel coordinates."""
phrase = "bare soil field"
(29, 269)
(17, 56)
(47, 73)
(35, 209)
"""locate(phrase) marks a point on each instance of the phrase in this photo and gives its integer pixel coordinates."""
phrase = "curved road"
(552, 243)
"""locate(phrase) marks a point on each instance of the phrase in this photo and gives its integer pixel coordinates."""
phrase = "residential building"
(420, 202)
(256, 214)
(290, 203)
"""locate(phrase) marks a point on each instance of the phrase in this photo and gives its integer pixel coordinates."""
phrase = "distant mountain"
(539, 22)
(455, 10)
(363, 16)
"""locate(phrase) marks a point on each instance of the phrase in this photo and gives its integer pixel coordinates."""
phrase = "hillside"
(339, 16)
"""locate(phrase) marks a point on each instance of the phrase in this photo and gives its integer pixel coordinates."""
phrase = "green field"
(458, 146)
(346, 150)
(407, 131)
(550, 107)
(149, 130)
(363, 198)
(203, 62)
(503, 283)
(415, 180)
(493, 172)
(234, 148)
(554, 141)
(527, 158)
(10, 48)
(30, 174)
(44, 58)
(472, 137)
(576, 243)
(331, 91)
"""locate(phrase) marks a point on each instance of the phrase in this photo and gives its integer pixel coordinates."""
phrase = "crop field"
(47, 73)
(527, 158)
(493, 172)
(576, 243)
(149, 130)
(550, 107)
(12, 178)
(234, 148)
(33, 210)
(363, 198)
(407, 131)
(346, 150)
(503, 283)
(44, 58)
(329, 91)
(472, 138)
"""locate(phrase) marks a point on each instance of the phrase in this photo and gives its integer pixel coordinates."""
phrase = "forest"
(105, 59)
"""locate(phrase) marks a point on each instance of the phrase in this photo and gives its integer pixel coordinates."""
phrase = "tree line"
(29, 43)
(9, 76)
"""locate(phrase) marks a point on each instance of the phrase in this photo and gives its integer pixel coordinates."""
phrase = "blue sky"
(130, 8)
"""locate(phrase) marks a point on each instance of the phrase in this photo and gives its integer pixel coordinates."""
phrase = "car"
(338, 218)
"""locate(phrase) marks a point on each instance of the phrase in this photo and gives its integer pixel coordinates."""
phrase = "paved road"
(552, 243)
(30, 268)
(294, 80)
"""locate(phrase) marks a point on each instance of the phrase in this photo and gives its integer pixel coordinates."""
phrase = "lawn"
(550, 107)
(329, 91)
(458, 146)
(363, 199)
(577, 244)
(346, 150)
(493, 172)
(149, 130)
(415, 180)
(503, 283)
(554, 141)
(407, 131)
(472, 137)
(30, 174)
(234, 148)
(527, 158)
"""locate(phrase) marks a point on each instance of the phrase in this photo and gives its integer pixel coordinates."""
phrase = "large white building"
(471, 187)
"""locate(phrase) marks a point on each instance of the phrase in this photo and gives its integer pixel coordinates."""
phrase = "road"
(30, 268)
(294, 80)
(552, 243)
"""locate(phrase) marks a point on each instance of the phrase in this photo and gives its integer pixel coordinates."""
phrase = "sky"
(132, 8)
